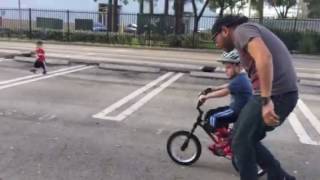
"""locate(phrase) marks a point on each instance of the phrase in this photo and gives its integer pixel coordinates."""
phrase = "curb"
(200, 74)
(48, 61)
(309, 76)
(129, 68)
(311, 83)
(214, 51)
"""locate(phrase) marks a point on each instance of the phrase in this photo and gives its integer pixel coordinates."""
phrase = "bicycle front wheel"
(183, 150)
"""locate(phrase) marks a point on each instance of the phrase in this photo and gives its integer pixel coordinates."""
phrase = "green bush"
(189, 42)
(290, 39)
(308, 43)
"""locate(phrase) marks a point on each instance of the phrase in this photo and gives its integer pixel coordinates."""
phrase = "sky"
(85, 5)
(90, 5)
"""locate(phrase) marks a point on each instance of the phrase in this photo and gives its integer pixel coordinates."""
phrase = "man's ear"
(224, 31)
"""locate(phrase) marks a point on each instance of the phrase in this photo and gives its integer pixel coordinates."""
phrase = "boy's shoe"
(33, 70)
(44, 72)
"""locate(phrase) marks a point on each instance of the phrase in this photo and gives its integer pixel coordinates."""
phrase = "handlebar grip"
(199, 104)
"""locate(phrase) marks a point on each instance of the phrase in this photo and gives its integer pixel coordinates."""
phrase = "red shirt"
(40, 54)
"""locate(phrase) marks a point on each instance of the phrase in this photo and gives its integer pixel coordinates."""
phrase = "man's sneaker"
(44, 72)
(289, 177)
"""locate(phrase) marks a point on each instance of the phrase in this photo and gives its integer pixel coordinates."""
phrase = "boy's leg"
(225, 116)
(211, 113)
(44, 67)
(35, 66)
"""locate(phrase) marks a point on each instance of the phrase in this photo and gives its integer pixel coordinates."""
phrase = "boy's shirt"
(40, 54)
(240, 89)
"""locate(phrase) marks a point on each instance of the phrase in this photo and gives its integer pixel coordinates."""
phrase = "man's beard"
(228, 45)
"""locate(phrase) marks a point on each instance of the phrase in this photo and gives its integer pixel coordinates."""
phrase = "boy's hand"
(202, 98)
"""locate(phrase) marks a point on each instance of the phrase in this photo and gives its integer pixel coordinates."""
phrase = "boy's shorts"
(38, 64)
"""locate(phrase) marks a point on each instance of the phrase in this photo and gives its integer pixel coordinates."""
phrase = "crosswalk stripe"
(300, 131)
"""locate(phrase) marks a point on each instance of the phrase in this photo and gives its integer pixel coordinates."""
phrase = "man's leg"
(248, 130)
(284, 105)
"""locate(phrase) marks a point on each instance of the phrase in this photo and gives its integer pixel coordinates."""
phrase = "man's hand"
(269, 116)
(202, 98)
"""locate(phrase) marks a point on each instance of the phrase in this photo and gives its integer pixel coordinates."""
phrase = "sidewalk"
(213, 51)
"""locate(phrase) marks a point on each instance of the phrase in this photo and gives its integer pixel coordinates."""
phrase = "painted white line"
(309, 115)
(144, 100)
(38, 75)
(44, 77)
(3, 59)
(131, 96)
(300, 131)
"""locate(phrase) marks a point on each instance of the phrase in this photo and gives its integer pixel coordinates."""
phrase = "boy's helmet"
(230, 57)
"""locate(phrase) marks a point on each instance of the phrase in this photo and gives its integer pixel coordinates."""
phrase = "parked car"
(99, 27)
(131, 28)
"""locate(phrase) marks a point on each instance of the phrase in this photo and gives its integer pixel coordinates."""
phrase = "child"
(240, 89)
(41, 59)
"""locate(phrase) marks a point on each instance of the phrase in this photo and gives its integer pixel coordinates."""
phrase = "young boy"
(41, 59)
(239, 88)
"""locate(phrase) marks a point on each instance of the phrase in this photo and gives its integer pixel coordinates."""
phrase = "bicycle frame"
(199, 122)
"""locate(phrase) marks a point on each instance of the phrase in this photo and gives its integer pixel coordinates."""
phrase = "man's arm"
(264, 65)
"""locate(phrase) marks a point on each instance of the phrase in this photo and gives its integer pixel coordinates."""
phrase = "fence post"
(295, 25)
(30, 23)
(68, 25)
(149, 30)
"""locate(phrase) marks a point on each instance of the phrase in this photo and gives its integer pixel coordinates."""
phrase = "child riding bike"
(239, 88)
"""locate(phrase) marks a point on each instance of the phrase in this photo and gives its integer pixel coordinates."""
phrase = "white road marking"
(300, 131)
(45, 77)
(143, 100)
(38, 75)
(131, 96)
(309, 115)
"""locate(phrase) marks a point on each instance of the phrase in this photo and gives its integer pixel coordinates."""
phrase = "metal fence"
(139, 29)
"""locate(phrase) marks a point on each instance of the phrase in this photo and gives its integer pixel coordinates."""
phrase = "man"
(268, 63)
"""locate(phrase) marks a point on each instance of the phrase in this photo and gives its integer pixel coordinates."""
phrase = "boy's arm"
(218, 93)
(221, 87)
(214, 94)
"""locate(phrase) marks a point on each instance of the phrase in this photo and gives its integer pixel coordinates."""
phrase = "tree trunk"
(166, 7)
(109, 16)
(115, 16)
(179, 9)
(260, 10)
(151, 7)
(141, 6)
(221, 12)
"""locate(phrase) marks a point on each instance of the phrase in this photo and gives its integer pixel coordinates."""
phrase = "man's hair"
(228, 21)
(40, 43)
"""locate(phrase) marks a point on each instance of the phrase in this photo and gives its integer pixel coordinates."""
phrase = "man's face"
(223, 39)
(231, 70)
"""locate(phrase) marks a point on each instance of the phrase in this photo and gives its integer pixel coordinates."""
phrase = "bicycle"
(220, 137)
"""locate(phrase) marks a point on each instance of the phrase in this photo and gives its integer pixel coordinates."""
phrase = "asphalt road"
(81, 122)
